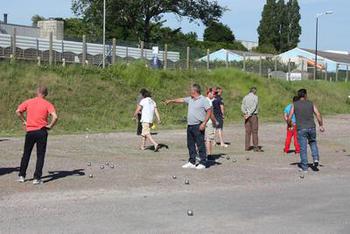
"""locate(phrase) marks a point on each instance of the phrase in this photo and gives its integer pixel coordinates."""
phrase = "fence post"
(244, 59)
(37, 48)
(188, 58)
(142, 48)
(337, 72)
(302, 68)
(127, 54)
(14, 43)
(347, 73)
(208, 59)
(226, 59)
(275, 64)
(260, 66)
(50, 49)
(84, 51)
(165, 56)
(114, 50)
(62, 50)
(325, 72)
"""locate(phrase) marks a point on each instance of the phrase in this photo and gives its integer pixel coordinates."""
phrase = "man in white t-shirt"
(148, 109)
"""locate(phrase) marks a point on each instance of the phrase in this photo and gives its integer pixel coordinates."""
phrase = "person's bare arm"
(21, 117)
(319, 118)
(157, 115)
(291, 113)
(175, 101)
(222, 107)
(54, 119)
(207, 117)
(285, 117)
(213, 119)
(137, 111)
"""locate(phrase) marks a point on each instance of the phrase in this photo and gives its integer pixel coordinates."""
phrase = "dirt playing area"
(239, 193)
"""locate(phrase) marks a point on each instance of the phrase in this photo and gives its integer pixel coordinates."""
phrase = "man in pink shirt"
(36, 125)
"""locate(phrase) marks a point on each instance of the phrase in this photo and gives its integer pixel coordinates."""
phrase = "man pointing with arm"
(199, 113)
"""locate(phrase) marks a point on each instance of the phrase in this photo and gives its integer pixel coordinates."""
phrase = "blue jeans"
(307, 136)
(195, 137)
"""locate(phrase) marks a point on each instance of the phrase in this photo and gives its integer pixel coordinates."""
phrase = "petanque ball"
(174, 177)
(89, 164)
(111, 166)
(91, 176)
(107, 163)
(187, 182)
(102, 167)
(302, 176)
(228, 157)
(190, 212)
(248, 159)
(234, 160)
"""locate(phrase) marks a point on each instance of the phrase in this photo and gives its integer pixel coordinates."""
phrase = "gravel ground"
(264, 194)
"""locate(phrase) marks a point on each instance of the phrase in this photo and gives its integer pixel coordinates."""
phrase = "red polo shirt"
(38, 110)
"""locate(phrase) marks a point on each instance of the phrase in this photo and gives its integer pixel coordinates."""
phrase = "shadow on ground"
(310, 165)
(8, 170)
(55, 175)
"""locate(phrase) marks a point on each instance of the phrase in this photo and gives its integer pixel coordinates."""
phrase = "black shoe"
(316, 163)
(157, 148)
(258, 149)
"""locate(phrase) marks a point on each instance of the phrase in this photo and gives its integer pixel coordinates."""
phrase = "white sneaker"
(20, 179)
(36, 181)
(189, 165)
(200, 167)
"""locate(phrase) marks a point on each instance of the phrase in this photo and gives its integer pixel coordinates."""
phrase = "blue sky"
(243, 18)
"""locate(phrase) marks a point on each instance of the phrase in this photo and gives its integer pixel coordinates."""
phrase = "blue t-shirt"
(287, 111)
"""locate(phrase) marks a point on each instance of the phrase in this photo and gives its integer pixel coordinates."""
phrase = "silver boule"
(190, 212)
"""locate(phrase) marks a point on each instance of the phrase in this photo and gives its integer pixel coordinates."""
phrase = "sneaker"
(20, 179)
(302, 170)
(200, 167)
(37, 181)
(189, 165)
(156, 148)
(316, 163)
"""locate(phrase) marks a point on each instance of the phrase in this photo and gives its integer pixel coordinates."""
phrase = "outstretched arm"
(175, 101)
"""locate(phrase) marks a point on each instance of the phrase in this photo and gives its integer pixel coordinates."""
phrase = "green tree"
(279, 26)
(36, 18)
(218, 32)
(268, 29)
(294, 28)
(140, 16)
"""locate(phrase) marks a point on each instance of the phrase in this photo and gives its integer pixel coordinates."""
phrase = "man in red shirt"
(36, 125)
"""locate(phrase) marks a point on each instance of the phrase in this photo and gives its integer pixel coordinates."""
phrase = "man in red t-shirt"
(36, 125)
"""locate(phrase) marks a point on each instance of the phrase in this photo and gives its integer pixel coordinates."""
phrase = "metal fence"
(62, 51)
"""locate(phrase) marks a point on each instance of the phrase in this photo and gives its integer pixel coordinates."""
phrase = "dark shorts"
(220, 123)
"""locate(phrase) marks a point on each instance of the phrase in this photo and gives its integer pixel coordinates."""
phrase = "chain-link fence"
(168, 56)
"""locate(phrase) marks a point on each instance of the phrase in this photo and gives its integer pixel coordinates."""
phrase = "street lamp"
(104, 35)
(316, 52)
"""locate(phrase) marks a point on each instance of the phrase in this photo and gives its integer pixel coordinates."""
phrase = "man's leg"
(248, 133)
(313, 144)
(28, 147)
(288, 140)
(41, 150)
(191, 145)
(302, 137)
(255, 129)
(199, 138)
(150, 138)
(296, 142)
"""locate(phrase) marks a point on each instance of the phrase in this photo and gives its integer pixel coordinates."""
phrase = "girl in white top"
(148, 109)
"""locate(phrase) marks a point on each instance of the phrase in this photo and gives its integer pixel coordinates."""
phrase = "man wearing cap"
(36, 124)
(250, 108)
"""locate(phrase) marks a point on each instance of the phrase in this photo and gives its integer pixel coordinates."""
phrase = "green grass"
(97, 100)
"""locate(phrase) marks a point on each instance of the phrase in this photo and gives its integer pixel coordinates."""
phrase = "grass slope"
(98, 100)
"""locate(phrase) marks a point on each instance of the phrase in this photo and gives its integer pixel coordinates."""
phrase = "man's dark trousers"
(195, 137)
(39, 138)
